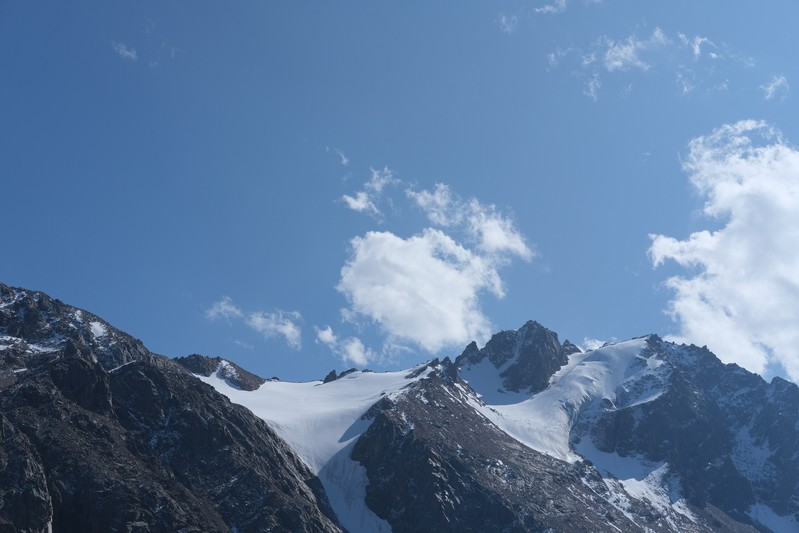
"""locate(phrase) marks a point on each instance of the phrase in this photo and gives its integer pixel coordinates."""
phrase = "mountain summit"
(524, 434)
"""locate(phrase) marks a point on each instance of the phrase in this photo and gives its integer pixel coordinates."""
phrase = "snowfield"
(321, 422)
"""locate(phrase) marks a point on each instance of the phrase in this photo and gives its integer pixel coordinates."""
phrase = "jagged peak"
(526, 358)
(232, 373)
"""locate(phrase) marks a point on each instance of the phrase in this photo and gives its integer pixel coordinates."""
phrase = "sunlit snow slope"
(321, 422)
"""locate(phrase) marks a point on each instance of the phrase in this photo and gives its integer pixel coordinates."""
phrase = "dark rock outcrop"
(435, 464)
(235, 376)
(528, 356)
(95, 440)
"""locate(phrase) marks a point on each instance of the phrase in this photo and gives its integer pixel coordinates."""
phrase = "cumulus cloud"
(494, 233)
(424, 289)
(778, 86)
(269, 324)
(124, 51)
(366, 201)
(351, 350)
(740, 295)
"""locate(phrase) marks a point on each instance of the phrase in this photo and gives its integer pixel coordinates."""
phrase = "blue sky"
(305, 186)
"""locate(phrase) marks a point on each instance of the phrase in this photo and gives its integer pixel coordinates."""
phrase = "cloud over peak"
(424, 289)
(741, 295)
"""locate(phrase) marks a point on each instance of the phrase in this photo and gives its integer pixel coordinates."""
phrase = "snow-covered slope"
(544, 421)
(669, 436)
(321, 421)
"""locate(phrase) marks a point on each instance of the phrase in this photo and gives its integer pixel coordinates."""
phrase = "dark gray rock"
(236, 377)
(89, 445)
(528, 356)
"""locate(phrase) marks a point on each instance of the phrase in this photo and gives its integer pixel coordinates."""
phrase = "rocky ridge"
(524, 434)
(99, 434)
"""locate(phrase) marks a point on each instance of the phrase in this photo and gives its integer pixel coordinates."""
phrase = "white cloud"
(710, 62)
(124, 52)
(271, 324)
(277, 324)
(625, 55)
(424, 289)
(777, 86)
(592, 87)
(685, 81)
(558, 6)
(351, 350)
(554, 58)
(223, 309)
(367, 199)
(326, 336)
(695, 44)
(345, 161)
(245, 345)
(741, 297)
(508, 23)
(494, 234)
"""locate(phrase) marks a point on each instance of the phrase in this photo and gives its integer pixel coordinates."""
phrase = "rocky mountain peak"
(35, 329)
(525, 358)
(233, 374)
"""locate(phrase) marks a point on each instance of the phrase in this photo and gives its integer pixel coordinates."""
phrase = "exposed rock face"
(731, 437)
(434, 464)
(98, 434)
(527, 357)
(99, 440)
(236, 376)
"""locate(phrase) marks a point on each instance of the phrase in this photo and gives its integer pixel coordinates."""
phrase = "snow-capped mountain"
(524, 434)
(534, 434)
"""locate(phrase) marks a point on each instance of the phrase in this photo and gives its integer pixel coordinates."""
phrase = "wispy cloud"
(740, 295)
(224, 309)
(245, 345)
(592, 86)
(493, 232)
(344, 160)
(626, 54)
(276, 323)
(697, 61)
(367, 200)
(778, 86)
(508, 23)
(124, 51)
(558, 6)
(696, 43)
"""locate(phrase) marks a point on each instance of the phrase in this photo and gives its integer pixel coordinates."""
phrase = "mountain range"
(526, 433)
